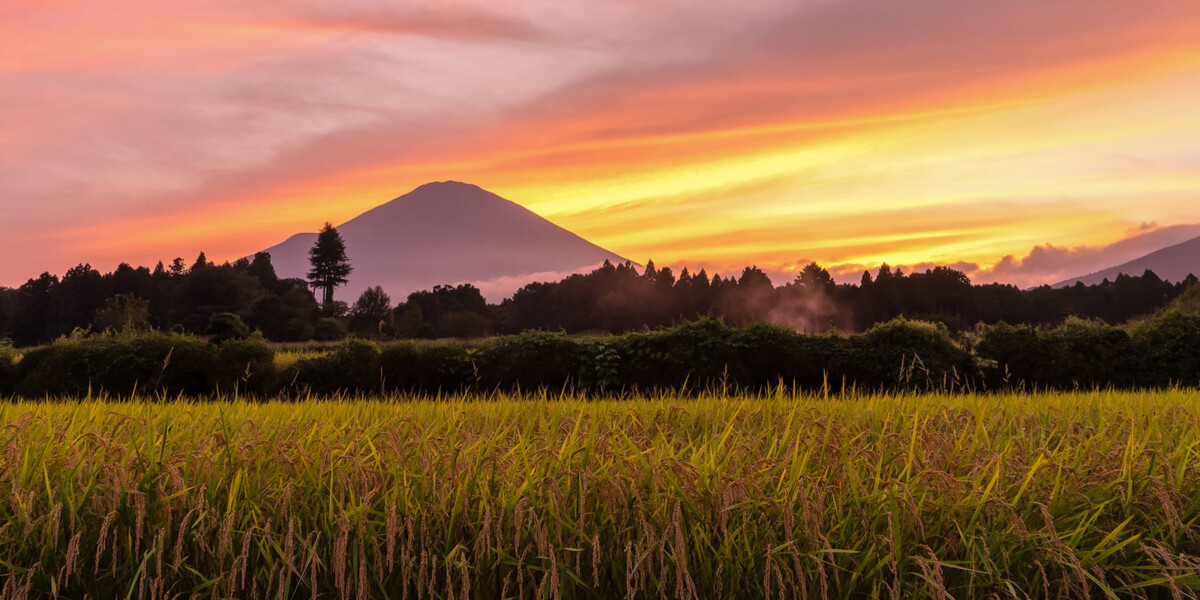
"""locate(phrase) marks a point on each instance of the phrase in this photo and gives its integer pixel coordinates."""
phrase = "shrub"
(699, 354)
(352, 368)
(329, 329)
(8, 368)
(149, 362)
(358, 364)
(781, 355)
(226, 326)
(530, 361)
(1017, 355)
(907, 354)
(464, 324)
(397, 365)
(1077, 354)
(1167, 347)
(298, 329)
(407, 367)
(243, 364)
(123, 313)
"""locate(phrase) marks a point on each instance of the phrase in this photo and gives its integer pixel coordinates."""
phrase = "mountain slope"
(1173, 263)
(448, 233)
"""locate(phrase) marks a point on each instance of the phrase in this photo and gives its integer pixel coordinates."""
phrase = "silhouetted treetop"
(330, 266)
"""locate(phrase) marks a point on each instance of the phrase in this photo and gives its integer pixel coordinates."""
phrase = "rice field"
(1085, 495)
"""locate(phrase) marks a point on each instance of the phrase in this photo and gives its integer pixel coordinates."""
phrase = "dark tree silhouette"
(443, 312)
(613, 298)
(330, 266)
(178, 268)
(370, 314)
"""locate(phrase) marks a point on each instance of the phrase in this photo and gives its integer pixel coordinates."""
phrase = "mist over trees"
(616, 298)
(232, 299)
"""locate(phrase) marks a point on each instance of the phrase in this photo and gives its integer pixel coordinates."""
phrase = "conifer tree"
(330, 266)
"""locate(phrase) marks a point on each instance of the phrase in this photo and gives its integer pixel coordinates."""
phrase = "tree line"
(236, 298)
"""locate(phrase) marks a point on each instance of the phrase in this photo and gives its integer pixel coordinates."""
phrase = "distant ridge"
(448, 233)
(1173, 263)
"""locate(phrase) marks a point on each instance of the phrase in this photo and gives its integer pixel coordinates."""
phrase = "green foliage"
(905, 354)
(444, 368)
(702, 355)
(246, 364)
(464, 325)
(694, 357)
(119, 365)
(1077, 354)
(226, 326)
(371, 312)
(410, 322)
(298, 329)
(353, 367)
(445, 311)
(329, 329)
(699, 355)
(1188, 302)
(123, 313)
(807, 362)
(358, 362)
(530, 361)
(1168, 348)
(8, 368)
(329, 264)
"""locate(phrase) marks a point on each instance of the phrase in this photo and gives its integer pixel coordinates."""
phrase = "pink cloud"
(243, 101)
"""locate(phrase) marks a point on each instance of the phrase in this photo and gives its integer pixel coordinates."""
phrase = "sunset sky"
(850, 132)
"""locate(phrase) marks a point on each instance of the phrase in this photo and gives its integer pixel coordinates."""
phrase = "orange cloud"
(852, 132)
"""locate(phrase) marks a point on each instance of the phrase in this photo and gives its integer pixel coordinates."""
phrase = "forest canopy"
(247, 295)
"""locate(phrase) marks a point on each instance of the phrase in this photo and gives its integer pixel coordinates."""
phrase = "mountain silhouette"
(448, 233)
(1173, 263)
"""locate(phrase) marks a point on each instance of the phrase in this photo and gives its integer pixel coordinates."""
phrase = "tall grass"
(913, 496)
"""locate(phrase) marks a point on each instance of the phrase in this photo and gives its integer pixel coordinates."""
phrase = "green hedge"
(1168, 348)
(1158, 352)
(145, 363)
(703, 355)
(353, 366)
(707, 354)
(8, 369)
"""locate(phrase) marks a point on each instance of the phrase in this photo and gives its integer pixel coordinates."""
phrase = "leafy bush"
(329, 329)
(358, 363)
(351, 368)
(707, 354)
(243, 364)
(226, 326)
(530, 361)
(1168, 346)
(464, 324)
(696, 355)
(149, 362)
(407, 367)
(806, 362)
(299, 328)
(397, 366)
(1077, 354)
(905, 354)
(1018, 355)
(8, 368)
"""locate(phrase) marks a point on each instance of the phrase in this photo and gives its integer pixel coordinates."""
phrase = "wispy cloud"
(850, 131)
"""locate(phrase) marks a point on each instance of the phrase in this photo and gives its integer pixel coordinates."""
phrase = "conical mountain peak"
(449, 232)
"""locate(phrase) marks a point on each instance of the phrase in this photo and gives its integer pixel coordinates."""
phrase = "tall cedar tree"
(330, 267)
